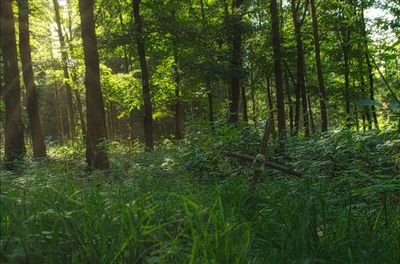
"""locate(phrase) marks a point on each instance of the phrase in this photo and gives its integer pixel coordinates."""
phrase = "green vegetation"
(185, 203)
(199, 131)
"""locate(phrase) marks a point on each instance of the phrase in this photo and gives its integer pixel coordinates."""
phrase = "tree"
(148, 108)
(14, 136)
(236, 61)
(77, 95)
(207, 78)
(318, 64)
(96, 156)
(39, 148)
(301, 87)
(64, 57)
(276, 44)
(177, 76)
(346, 37)
(178, 111)
(369, 65)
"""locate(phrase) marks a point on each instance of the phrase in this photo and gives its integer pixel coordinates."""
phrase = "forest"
(200, 131)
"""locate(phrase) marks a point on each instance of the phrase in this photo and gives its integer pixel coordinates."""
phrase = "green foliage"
(121, 88)
(159, 208)
(205, 158)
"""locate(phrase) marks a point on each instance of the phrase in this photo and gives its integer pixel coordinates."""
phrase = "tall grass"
(157, 207)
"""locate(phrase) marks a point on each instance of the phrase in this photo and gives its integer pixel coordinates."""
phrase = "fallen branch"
(267, 163)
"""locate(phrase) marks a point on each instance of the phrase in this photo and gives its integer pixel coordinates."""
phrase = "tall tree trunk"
(253, 104)
(76, 94)
(127, 62)
(1, 94)
(109, 124)
(356, 118)
(64, 57)
(207, 78)
(210, 104)
(244, 104)
(318, 64)
(114, 120)
(177, 108)
(309, 104)
(276, 45)
(80, 112)
(148, 108)
(271, 108)
(14, 136)
(296, 125)
(96, 156)
(57, 98)
(366, 115)
(127, 65)
(346, 58)
(312, 125)
(297, 110)
(301, 88)
(39, 148)
(369, 67)
(293, 115)
(365, 110)
(178, 120)
(236, 61)
(131, 128)
(59, 115)
(290, 103)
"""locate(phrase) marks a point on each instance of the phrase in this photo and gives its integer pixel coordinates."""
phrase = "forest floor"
(185, 203)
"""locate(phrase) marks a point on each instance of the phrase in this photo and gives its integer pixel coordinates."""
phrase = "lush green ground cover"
(185, 204)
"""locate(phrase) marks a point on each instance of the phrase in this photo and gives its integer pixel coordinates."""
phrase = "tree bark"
(114, 120)
(14, 136)
(301, 88)
(253, 104)
(207, 78)
(178, 120)
(296, 126)
(276, 46)
(210, 104)
(365, 115)
(244, 104)
(293, 115)
(148, 108)
(109, 125)
(290, 103)
(318, 64)
(346, 59)
(38, 145)
(177, 108)
(236, 63)
(78, 99)
(59, 115)
(369, 67)
(312, 125)
(271, 107)
(96, 156)
(64, 57)
(80, 112)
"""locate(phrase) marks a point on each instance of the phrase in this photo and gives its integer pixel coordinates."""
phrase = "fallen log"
(267, 163)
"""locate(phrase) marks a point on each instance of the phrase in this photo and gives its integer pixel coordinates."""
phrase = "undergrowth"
(185, 203)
